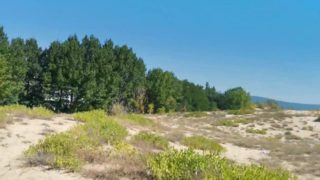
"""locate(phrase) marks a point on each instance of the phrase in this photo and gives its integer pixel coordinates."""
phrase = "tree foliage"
(78, 75)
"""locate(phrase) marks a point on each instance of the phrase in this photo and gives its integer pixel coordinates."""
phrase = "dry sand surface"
(291, 140)
(17, 137)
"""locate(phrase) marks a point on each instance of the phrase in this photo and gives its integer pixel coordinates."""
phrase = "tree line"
(78, 75)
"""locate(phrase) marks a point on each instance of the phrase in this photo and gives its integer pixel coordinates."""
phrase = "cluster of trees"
(77, 75)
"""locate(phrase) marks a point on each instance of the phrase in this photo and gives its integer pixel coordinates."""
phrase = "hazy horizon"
(269, 48)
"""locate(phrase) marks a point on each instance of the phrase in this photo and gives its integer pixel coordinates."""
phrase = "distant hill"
(287, 105)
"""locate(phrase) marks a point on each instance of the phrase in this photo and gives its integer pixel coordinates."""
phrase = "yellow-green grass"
(137, 119)
(233, 123)
(19, 110)
(65, 150)
(90, 115)
(202, 143)
(149, 139)
(197, 114)
(241, 111)
(173, 164)
(256, 131)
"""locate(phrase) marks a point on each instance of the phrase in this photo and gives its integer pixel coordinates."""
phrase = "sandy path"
(17, 137)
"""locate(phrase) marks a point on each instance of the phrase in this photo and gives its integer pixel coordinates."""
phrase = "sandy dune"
(17, 137)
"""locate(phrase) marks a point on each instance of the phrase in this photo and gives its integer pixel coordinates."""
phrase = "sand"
(15, 138)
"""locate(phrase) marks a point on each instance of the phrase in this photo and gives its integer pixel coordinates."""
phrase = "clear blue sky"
(269, 47)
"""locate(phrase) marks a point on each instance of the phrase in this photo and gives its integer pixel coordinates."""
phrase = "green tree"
(236, 98)
(6, 84)
(33, 91)
(128, 78)
(163, 90)
(4, 43)
(52, 64)
(17, 67)
(194, 97)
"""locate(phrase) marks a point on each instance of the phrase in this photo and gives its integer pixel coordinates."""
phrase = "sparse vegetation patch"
(6, 112)
(256, 131)
(147, 140)
(197, 114)
(173, 164)
(66, 150)
(233, 123)
(202, 143)
(137, 119)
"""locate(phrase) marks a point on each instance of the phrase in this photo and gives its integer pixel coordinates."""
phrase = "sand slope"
(17, 137)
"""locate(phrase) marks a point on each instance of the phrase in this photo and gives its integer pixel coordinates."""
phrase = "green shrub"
(317, 120)
(173, 164)
(20, 110)
(60, 150)
(117, 109)
(233, 123)
(256, 131)
(242, 111)
(150, 139)
(151, 108)
(197, 114)
(161, 110)
(41, 112)
(202, 143)
(90, 115)
(138, 119)
(107, 130)
(65, 150)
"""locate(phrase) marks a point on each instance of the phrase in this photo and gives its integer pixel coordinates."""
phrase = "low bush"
(19, 110)
(161, 110)
(137, 119)
(256, 131)
(233, 123)
(68, 150)
(147, 139)
(90, 115)
(242, 111)
(202, 143)
(117, 109)
(197, 114)
(60, 150)
(173, 164)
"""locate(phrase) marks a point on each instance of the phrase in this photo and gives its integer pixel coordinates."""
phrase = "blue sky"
(271, 48)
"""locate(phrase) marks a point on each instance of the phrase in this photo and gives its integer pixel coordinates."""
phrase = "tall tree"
(52, 64)
(164, 90)
(195, 98)
(33, 91)
(236, 98)
(128, 77)
(17, 67)
(4, 43)
(6, 83)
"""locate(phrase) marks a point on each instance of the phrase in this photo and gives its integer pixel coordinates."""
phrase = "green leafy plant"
(19, 110)
(65, 150)
(151, 108)
(256, 131)
(197, 114)
(241, 111)
(138, 119)
(173, 164)
(60, 150)
(150, 139)
(233, 123)
(90, 115)
(202, 143)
